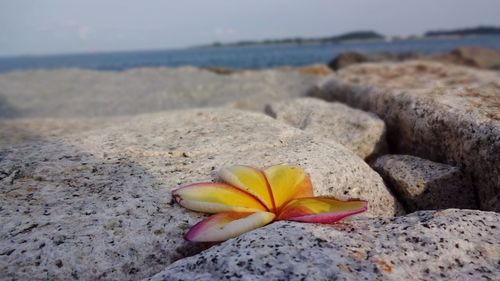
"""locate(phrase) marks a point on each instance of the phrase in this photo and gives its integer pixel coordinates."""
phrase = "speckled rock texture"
(444, 113)
(361, 132)
(18, 130)
(475, 57)
(421, 184)
(96, 205)
(427, 245)
(85, 93)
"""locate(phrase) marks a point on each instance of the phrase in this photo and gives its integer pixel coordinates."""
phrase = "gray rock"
(474, 56)
(96, 205)
(18, 130)
(346, 59)
(361, 132)
(427, 245)
(448, 114)
(478, 57)
(425, 185)
(85, 93)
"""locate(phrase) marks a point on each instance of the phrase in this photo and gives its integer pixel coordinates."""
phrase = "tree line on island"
(358, 36)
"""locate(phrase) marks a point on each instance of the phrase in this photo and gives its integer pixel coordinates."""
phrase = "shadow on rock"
(6, 109)
(68, 214)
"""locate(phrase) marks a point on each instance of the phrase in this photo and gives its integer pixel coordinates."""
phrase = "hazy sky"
(69, 26)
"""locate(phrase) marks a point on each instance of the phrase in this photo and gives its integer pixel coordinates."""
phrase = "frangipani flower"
(249, 198)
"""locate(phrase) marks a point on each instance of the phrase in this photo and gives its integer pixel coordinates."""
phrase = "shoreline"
(258, 57)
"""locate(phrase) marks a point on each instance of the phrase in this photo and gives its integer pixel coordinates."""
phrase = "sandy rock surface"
(360, 131)
(425, 185)
(18, 130)
(85, 93)
(444, 113)
(427, 245)
(97, 205)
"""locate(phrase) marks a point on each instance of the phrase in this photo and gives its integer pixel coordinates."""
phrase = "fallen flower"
(249, 198)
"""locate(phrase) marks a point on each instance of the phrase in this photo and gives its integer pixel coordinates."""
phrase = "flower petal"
(321, 209)
(288, 182)
(250, 180)
(223, 226)
(215, 198)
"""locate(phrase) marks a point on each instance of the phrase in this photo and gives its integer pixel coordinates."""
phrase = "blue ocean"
(253, 57)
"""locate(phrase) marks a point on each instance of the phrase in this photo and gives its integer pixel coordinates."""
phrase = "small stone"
(425, 185)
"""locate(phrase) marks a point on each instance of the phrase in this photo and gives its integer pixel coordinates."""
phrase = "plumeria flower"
(248, 198)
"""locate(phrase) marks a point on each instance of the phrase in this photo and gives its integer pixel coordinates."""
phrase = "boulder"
(17, 130)
(347, 58)
(421, 184)
(96, 205)
(475, 57)
(444, 113)
(314, 69)
(72, 93)
(427, 245)
(361, 132)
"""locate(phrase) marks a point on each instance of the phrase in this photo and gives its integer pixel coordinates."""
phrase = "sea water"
(249, 57)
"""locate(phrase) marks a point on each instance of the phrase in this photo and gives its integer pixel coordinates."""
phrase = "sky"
(33, 27)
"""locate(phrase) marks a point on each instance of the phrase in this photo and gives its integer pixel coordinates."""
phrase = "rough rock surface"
(97, 205)
(18, 130)
(427, 245)
(84, 93)
(478, 57)
(475, 57)
(421, 184)
(346, 59)
(314, 69)
(444, 113)
(361, 132)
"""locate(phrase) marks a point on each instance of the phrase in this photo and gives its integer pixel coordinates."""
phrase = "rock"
(444, 113)
(347, 58)
(427, 245)
(97, 204)
(17, 130)
(315, 69)
(474, 56)
(477, 57)
(223, 70)
(425, 185)
(84, 93)
(361, 132)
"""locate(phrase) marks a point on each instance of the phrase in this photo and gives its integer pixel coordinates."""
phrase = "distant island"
(350, 36)
(362, 35)
(480, 30)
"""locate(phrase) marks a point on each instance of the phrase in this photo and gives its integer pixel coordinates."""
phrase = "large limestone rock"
(428, 245)
(478, 57)
(18, 130)
(96, 205)
(425, 185)
(346, 59)
(474, 57)
(85, 93)
(444, 113)
(361, 132)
